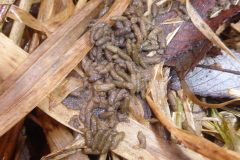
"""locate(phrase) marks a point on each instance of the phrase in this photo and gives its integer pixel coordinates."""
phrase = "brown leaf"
(189, 45)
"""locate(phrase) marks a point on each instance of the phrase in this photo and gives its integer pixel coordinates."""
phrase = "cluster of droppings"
(118, 68)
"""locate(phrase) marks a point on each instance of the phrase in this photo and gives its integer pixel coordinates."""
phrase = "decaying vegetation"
(101, 70)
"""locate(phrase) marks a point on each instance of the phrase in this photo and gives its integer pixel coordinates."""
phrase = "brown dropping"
(118, 51)
(108, 144)
(97, 139)
(123, 74)
(75, 122)
(124, 107)
(104, 87)
(104, 139)
(142, 140)
(88, 138)
(138, 33)
(117, 139)
(94, 124)
(124, 85)
(90, 151)
(106, 115)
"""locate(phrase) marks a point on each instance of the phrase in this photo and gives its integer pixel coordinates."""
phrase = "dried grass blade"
(49, 9)
(27, 19)
(173, 21)
(236, 26)
(11, 56)
(114, 156)
(187, 110)
(158, 86)
(18, 28)
(149, 5)
(53, 23)
(171, 35)
(67, 86)
(60, 154)
(60, 113)
(65, 152)
(80, 4)
(187, 91)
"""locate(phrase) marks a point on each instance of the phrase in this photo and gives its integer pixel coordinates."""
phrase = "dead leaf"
(189, 45)
(222, 75)
(206, 30)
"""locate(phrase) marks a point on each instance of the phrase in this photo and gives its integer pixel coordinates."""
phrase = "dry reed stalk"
(43, 62)
(18, 27)
(187, 110)
(57, 135)
(47, 10)
(11, 56)
(57, 20)
(22, 16)
(158, 85)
